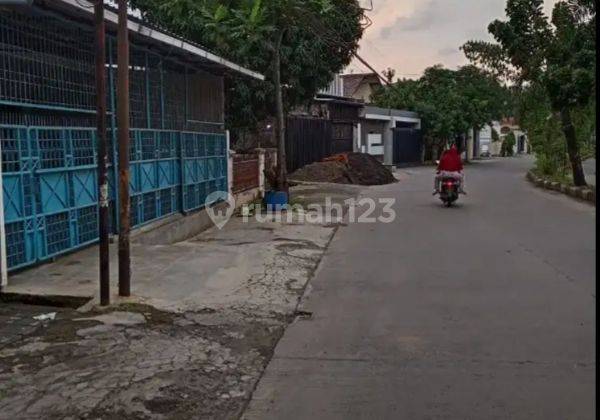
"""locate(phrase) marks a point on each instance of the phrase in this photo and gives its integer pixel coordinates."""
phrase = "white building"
(487, 147)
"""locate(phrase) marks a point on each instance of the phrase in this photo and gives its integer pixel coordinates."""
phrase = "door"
(408, 146)
(521, 147)
(343, 137)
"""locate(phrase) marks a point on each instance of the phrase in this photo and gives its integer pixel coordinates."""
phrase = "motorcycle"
(449, 190)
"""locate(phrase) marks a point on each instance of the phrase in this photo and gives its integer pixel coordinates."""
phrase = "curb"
(580, 193)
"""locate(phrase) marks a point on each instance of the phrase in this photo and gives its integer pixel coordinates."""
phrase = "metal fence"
(47, 77)
(48, 137)
(308, 140)
(50, 183)
(408, 146)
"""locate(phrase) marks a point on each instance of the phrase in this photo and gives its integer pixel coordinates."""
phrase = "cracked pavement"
(164, 365)
(193, 345)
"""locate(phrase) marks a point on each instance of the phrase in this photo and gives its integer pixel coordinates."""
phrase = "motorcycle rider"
(450, 166)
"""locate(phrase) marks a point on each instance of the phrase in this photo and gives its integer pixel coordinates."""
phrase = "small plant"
(508, 145)
(546, 165)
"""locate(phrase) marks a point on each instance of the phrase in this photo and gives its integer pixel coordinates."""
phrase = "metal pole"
(123, 139)
(102, 152)
(3, 261)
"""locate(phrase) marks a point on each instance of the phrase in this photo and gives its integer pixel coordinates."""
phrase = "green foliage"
(570, 77)
(555, 63)
(449, 102)
(507, 148)
(560, 55)
(485, 99)
(543, 129)
(547, 165)
(545, 133)
(585, 119)
(319, 40)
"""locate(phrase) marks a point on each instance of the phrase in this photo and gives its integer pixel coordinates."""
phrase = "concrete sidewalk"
(244, 265)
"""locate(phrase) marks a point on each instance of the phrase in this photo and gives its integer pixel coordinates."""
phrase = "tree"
(389, 75)
(558, 56)
(544, 131)
(485, 99)
(449, 102)
(298, 44)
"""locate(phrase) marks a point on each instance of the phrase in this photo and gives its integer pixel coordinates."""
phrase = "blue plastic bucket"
(276, 200)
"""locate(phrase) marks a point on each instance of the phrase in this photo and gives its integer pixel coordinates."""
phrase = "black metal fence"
(408, 146)
(308, 140)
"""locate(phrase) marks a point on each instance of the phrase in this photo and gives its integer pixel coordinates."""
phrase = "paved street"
(483, 311)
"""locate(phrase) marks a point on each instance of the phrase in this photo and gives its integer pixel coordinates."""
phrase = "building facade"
(48, 138)
(361, 86)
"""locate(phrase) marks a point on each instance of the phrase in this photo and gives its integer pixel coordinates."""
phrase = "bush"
(508, 145)
(546, 165)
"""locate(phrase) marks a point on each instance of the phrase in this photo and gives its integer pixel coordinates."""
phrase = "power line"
(362, 60)
(334, 41)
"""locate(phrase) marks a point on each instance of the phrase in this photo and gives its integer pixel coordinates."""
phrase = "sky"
(411, 35)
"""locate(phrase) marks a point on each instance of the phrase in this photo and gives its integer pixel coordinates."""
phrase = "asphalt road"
(483, 311)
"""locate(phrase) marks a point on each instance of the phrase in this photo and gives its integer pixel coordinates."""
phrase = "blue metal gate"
(50, 184)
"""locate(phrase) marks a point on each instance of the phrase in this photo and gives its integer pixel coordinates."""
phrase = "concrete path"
(483, 311)
(250, 265)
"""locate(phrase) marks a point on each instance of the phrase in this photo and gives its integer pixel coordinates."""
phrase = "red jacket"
(450, 161)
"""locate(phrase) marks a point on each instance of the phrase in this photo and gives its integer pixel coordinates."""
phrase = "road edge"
(580, 193)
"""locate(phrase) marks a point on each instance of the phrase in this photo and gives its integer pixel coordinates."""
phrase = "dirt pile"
(349, 168)
(334, 172)
(366, 170)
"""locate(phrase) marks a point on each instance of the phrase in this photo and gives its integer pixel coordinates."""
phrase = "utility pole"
(102, 151)
(362, 60)
(3, 261)
(123, 140)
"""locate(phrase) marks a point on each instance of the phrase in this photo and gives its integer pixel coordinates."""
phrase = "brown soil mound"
(334, 172)
(360, 169)
(366, 170)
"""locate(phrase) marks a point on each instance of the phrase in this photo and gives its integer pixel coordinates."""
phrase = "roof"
(342, 100)
(353, 81)
(386, 112)
(146, 30)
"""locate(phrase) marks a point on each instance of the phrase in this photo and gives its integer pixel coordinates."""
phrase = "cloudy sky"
(411, 35)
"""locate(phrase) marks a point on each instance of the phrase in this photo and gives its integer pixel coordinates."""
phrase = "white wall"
(375, 144)
(485, 140)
